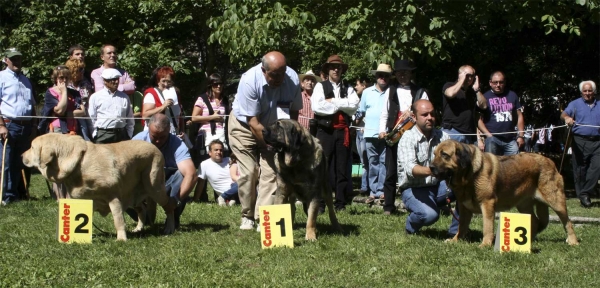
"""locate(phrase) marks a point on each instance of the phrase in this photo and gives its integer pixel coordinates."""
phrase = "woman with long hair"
(210, 111)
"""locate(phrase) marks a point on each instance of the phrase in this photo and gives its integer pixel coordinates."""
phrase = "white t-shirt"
(217, 174)
(168, 94)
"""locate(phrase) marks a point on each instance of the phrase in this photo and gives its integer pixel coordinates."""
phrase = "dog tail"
(541, 210)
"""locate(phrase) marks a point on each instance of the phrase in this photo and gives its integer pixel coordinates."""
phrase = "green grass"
(210, 251)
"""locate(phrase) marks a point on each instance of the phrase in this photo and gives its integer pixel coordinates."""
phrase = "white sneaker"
(298, 202)
(221, 201)
(258, 228)
(247, 224)
(231, 203)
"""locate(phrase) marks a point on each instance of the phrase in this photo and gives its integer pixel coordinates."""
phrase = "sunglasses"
(382, 75)
(215, 85)
(335, 66)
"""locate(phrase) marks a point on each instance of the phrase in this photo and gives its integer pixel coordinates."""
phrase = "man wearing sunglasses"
(498, 121)
(17, 105)
(460, 99)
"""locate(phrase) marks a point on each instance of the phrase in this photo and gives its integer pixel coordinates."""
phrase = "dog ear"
(463, 155)
(70, 155)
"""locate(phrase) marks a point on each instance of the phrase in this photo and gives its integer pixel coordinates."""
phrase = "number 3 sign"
(75, 220)
(514, 233)
(276, 226)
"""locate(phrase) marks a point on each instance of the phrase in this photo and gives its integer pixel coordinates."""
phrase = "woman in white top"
(209, 111)
(162, 97)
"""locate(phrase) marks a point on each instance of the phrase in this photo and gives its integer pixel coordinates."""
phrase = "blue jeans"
(361, 148)
(232, 193)
(501, 147)
(458, 136)
(377, 170)
(423, 204)
(17, 143)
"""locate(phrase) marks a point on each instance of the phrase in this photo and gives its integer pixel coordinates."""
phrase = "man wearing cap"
(267, 92)
(307, 82)
(16, 108)
(459, 102)
(370, 107)
(108, 54)
(399, 99)
(107, 108)
(334, 102)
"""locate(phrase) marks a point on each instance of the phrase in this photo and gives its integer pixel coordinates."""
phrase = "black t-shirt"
(458, 111)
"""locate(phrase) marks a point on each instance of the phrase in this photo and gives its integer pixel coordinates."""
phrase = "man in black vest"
(333, 103)
(400, 99)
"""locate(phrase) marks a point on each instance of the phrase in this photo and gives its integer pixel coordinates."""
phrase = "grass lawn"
(210, 251)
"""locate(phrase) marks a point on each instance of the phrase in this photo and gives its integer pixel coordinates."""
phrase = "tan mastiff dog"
(485, 183)
(115, 176)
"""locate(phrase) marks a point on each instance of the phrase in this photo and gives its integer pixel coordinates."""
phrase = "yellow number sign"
(514, 233)
(75, 220)
(276, 226)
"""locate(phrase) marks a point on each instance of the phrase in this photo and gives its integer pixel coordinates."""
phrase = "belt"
(19, 122)
(591, 138)
(112, 129)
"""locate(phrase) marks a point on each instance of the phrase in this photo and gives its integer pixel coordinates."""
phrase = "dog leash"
(448, 201)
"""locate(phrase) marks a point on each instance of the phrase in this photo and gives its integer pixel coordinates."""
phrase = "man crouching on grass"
(423, 194)
(180, 172)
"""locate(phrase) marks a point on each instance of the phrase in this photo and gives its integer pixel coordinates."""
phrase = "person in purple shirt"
(180, 172)
(583, 114)
(109, 58)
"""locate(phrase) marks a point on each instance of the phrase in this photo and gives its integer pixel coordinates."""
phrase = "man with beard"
(334, 102)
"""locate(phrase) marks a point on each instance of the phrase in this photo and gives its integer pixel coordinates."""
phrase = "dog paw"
(311, 237)
(136, 230)
(450, 240)
(572, 242)
(485, 244)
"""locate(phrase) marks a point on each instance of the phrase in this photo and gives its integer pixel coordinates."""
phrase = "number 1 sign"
(75, 220)
(276, 226)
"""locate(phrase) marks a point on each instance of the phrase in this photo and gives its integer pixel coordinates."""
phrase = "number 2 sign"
(75, 220)
(276, 226)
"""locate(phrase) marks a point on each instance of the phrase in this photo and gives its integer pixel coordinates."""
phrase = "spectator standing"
(161, 97)
(460, 99)
(307, 82)
(334, 102)
(361, 145)
(17, 106)
(499, 117)
(423, 194)
(221, 173)
(399, 99)
(110, 111)
(78, 81)
(267, 92)
(77, 52)
(371, 105)
(586, 140)
(180, 173)
(109, 56)
(210, 111)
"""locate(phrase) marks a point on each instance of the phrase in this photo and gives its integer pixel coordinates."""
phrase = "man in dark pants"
(400, 98)
(586, 141)
(334, 103)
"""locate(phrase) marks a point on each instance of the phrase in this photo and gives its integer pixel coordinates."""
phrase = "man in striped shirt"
(307, 82)
(422, 194)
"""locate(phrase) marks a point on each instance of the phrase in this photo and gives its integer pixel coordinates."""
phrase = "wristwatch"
(479, 89)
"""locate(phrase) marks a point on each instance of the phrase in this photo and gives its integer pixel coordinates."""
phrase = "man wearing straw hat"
(17, 107)
(334, 102)
(370, 107)
(308, 81)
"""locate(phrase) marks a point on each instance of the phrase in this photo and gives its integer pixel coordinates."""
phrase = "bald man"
(423, 194)
(267, 92)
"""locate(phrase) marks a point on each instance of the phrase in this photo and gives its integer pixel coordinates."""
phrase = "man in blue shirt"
(267, 92)
(502, 107)
(180, 172)
(17, 105)
(371, 105)
(586, 140)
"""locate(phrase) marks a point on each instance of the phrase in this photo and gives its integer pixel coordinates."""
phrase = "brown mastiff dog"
(115, 176)
(301, 170)
(485, 183)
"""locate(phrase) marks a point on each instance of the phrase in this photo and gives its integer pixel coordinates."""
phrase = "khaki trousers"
(244, 146)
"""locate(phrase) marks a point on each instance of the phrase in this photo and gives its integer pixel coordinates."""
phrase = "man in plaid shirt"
(423, 194)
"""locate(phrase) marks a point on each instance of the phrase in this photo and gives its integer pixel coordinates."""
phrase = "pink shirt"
(220, 108)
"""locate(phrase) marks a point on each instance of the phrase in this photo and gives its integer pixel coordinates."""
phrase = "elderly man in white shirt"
(110, 110)
(334, 102)
(267, 92)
